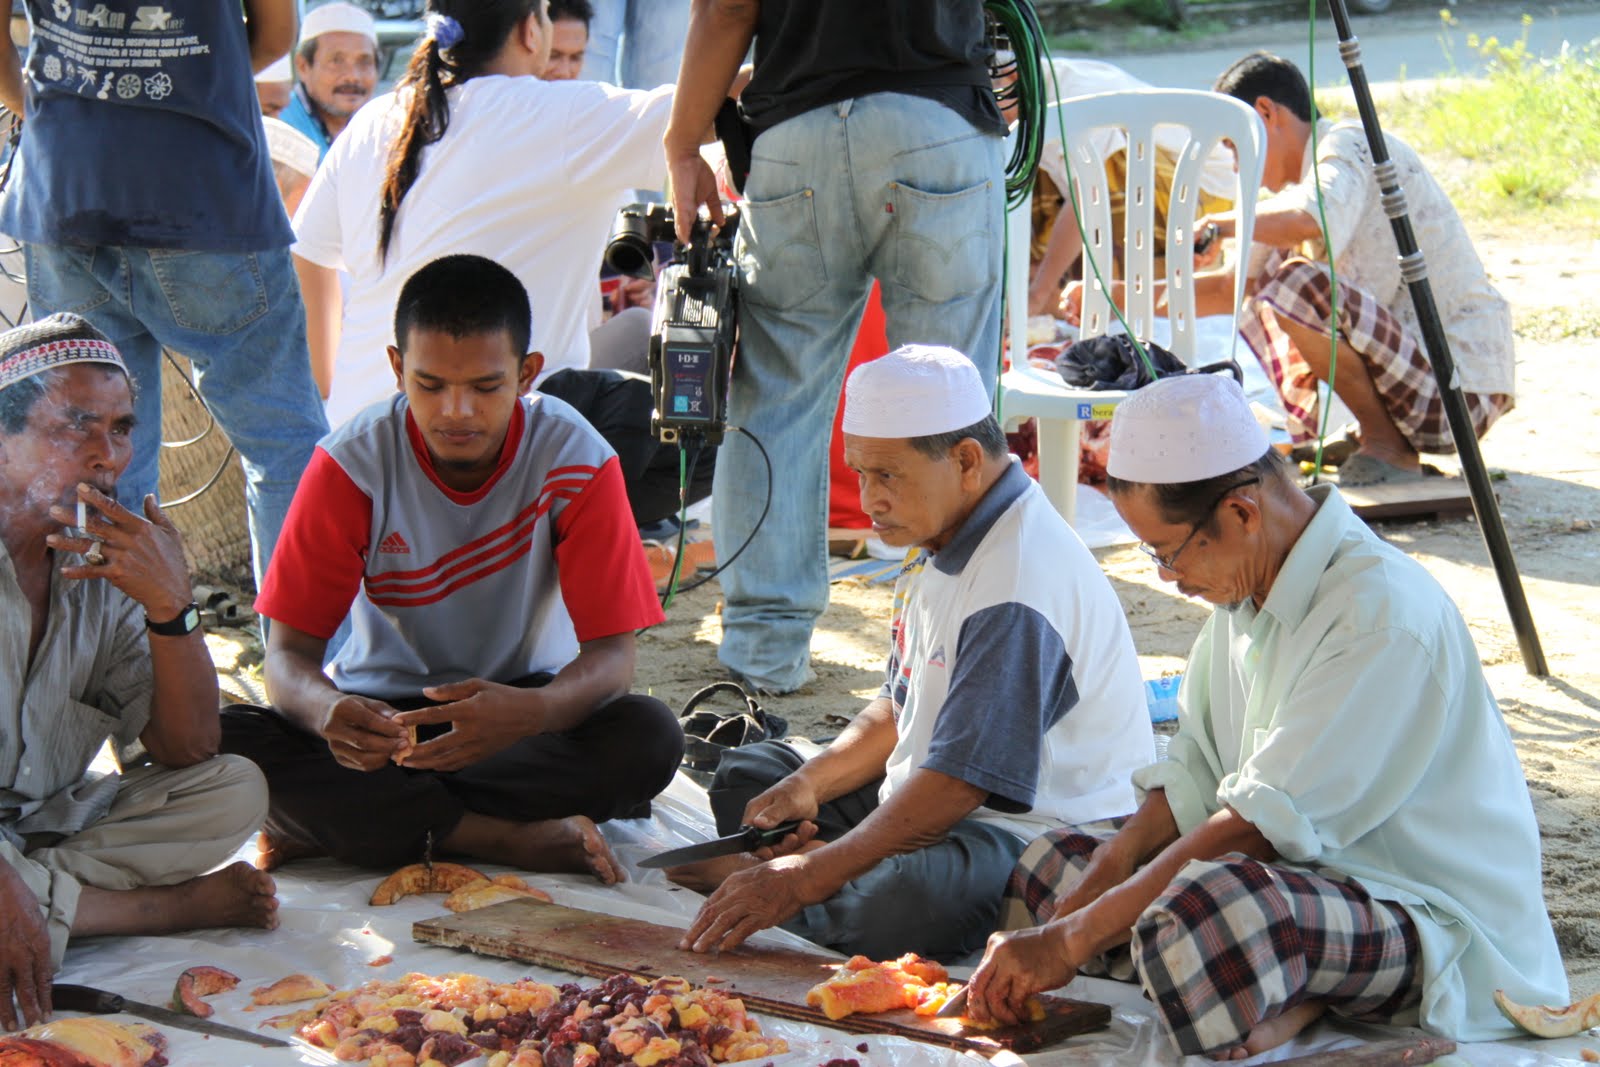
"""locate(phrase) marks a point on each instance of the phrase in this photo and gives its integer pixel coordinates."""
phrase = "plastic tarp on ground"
(329, 931)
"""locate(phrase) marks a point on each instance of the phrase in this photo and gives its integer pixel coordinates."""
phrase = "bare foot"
(236, 895)
(273, 851)
(1270, 1033)
(571, 844)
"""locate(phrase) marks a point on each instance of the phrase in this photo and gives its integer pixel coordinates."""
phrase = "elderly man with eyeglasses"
(1340, 823)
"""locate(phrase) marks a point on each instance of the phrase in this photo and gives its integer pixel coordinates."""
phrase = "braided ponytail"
(464, 36)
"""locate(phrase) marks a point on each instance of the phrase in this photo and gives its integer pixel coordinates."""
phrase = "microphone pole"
(1414, 270)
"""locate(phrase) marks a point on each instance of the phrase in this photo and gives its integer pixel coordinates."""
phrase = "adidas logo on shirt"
(395, 545)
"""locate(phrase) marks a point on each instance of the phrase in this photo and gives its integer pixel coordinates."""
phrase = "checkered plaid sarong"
(1298, 289)
(1233, 942)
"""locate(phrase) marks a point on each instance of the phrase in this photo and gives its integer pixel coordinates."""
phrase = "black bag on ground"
(708, 734)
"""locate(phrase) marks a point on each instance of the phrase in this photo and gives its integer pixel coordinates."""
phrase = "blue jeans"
(646, 36)
(238, 317)
(889, 186)
(940, 901)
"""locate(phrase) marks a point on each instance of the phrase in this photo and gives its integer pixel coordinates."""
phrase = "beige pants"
(165, 827)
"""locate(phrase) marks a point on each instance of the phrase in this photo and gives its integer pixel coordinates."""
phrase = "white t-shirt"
(1013, 669)
(529, 173)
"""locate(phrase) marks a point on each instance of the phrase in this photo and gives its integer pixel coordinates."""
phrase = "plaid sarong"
(1298, 289)
(1234, 941)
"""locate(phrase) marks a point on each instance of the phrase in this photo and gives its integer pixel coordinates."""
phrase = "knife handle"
(755, 837)
(85, 998)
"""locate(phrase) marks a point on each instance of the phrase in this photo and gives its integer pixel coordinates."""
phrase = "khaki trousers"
(166, 826)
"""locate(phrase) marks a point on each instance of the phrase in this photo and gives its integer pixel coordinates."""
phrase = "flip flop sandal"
(708, 734)
(1362, 470)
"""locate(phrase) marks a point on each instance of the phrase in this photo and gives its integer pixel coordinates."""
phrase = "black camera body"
(695, 323)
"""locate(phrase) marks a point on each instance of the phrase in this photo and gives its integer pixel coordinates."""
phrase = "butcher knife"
(99, 1002)
(955, 1006)
(748, 839)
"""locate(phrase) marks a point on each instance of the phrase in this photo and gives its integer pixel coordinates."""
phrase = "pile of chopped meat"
(425, 1021)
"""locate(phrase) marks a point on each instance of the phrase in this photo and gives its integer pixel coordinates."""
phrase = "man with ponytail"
(472, 153)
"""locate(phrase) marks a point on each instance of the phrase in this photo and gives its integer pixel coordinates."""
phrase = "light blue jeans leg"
(605, 40)
(652, 48)
(238, 317)
(888, 183)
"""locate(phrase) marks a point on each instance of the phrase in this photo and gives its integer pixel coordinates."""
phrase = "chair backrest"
(1208, 118)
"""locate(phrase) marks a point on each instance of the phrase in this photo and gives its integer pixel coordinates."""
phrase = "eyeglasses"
(1169, 562)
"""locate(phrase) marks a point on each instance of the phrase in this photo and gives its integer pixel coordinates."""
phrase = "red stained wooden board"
(770, 980)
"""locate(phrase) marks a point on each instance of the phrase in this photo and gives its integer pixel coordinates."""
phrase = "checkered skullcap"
(52, 342)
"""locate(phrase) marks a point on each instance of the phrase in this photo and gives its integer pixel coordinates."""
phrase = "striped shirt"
(90, 680)
(440, 586)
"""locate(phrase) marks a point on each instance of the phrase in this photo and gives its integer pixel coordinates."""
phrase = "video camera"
(695, 322)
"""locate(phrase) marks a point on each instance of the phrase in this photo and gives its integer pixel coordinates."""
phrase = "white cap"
(338, 17)
(281, 71)
(289, 146)
(914, 391)
(1185, 428)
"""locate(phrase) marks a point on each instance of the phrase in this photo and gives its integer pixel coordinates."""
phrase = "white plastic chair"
(1209, 118)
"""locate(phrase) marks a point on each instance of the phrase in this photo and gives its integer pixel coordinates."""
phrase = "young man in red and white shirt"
(481, 544)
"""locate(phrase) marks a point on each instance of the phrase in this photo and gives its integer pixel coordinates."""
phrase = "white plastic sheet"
(328, 930)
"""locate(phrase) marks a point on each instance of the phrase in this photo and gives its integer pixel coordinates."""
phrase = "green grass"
(1520, 144)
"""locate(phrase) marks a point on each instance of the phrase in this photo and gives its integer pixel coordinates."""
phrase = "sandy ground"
(1551, 503)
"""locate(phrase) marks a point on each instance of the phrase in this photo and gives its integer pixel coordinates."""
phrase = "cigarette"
(83, 516)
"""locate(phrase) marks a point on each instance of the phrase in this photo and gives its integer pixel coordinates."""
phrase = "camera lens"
(631, 254)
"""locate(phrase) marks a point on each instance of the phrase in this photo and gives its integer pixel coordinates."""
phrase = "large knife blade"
(101, 1002)
(747, 839)
(954, 1007)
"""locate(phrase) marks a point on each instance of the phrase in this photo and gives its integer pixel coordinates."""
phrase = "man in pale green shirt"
(1341, 823)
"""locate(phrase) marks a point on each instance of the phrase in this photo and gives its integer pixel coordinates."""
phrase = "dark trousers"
(942, 901)
(608, 767)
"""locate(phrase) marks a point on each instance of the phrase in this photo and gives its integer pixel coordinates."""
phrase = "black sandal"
(708, 734)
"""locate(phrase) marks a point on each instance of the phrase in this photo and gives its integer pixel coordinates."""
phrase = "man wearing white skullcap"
(273, 86)
(337, 65)
(1340, 824)
(1012, 703)
(99, 642)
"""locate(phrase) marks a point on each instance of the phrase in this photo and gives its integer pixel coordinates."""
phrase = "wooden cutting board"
(770, 980)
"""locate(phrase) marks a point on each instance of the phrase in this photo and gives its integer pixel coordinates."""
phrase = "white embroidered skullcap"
(51, 342)
(281, 71)
(1185, 428)
(914, 391)
(289, 146)
(338, 17)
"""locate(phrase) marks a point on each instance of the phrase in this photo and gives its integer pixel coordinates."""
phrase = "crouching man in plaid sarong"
(1341, 823)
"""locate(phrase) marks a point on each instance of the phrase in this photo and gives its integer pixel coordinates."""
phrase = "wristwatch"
(187, 622)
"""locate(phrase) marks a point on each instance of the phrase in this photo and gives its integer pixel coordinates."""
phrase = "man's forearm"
(602, 672)
(858, 756)
(297, 687)
(720, 32)
(270, 27)
(11, 91)
(1110, 919)
(917, 815)
(184, 728)
(319, 289)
